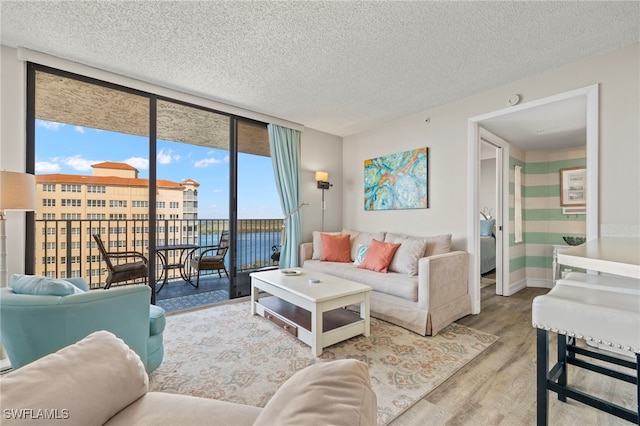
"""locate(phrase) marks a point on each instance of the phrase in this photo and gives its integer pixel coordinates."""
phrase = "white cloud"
(226, 159)
(138, 162)
(79, 129)
(206, 162)
(78, 163)
(47, 167)
(49, 125)
(166, 157)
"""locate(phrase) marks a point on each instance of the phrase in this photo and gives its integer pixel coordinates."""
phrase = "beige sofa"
(100, 381)
(425, 288)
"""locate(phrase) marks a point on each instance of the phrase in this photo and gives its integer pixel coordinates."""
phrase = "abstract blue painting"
(397, 181)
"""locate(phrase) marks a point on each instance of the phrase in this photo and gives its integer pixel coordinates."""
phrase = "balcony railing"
(65, 248)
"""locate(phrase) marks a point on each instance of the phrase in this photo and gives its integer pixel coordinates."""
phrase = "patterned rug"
(179, 303)
(226, 353)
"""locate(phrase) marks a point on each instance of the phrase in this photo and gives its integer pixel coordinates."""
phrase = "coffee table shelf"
(302, 318)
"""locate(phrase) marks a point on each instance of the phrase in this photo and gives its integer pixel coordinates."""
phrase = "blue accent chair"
(32, 326)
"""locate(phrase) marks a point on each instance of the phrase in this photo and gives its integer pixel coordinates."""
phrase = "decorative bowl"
(574, 241)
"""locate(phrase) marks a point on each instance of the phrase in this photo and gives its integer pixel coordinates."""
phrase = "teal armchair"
(32, 326)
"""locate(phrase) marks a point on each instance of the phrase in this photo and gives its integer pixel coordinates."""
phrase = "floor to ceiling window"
(152, 175)
(91, 164)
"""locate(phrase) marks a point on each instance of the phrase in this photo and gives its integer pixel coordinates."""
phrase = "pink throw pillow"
(336, 248)
(379, 256)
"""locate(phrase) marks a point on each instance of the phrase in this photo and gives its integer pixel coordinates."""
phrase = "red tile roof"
(113, 165)
(105, 180)
(190, 182)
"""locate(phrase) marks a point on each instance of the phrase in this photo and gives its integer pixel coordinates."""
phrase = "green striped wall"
(543, 222)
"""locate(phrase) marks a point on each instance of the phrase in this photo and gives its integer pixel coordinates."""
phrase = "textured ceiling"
(339, 67)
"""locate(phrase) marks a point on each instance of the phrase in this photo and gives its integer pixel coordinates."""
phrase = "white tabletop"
(613, 255)
(328, 288)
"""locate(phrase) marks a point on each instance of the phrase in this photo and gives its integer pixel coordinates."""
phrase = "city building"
(112, 202)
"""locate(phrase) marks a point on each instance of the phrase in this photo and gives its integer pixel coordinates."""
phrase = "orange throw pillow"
(336, 248)
(379, 256)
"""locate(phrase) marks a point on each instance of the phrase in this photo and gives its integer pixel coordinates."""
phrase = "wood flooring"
(499, 387)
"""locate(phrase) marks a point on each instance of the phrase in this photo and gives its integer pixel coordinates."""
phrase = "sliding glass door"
(152, 175)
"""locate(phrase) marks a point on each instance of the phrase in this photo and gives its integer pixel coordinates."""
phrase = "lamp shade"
(322, 176)
(17, 191)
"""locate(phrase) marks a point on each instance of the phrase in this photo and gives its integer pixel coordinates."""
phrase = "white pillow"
(364, 238)
(361, 252)
(405, 261)
(317, 244)
(328, 393)
(439, 244)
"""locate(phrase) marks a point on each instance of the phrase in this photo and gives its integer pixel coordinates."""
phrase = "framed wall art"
(573, 186)
(397, 181)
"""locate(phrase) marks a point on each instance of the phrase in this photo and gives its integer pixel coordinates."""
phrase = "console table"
(613, 255)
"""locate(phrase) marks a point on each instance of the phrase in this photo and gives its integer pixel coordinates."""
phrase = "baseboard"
(513, 288)
(539, 283)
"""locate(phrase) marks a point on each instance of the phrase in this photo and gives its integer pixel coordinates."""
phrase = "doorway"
(585, 107)
(491, 214)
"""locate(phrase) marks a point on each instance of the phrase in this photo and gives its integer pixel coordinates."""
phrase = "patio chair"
(123, 271)
(211, 258)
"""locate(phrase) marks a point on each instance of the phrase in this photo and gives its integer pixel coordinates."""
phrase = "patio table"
(185, 252)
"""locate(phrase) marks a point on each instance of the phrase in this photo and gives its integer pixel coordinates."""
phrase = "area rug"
(179, 303)
(225, 353)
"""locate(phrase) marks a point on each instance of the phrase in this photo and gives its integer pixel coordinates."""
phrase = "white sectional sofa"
(101, 381)
(425, 288)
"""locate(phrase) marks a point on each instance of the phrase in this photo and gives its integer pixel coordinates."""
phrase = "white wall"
(446, 135)
(321, 152)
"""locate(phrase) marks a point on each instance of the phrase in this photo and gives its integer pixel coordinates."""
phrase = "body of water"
(254, 249)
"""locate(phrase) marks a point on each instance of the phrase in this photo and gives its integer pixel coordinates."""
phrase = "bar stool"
(586, 308)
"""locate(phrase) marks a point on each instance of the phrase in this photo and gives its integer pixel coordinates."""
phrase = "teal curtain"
(285, 156)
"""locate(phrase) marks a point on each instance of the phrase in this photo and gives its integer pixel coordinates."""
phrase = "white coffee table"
(313, 312)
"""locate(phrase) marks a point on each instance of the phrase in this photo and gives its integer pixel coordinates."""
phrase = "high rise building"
(112, 202)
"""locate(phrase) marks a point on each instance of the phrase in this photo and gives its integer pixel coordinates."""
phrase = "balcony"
(65, 248)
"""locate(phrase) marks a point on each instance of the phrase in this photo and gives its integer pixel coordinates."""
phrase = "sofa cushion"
(361, 252)
(86, 383)
(41, 286)
(406, 258)
(438, 244)
(168, 409)
(363, 238)
(379, 255)
(328, 393)
(335, 248)
(317, 243)
(392, 283)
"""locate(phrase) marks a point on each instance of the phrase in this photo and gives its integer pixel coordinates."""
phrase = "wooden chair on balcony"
(211, 258)
(119, 272)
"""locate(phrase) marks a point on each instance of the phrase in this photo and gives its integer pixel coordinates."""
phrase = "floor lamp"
(17, 192)
(323, 183)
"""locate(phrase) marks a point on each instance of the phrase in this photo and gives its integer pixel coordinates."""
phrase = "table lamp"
(17, 192)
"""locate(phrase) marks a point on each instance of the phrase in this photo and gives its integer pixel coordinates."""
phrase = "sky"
(68, 149)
